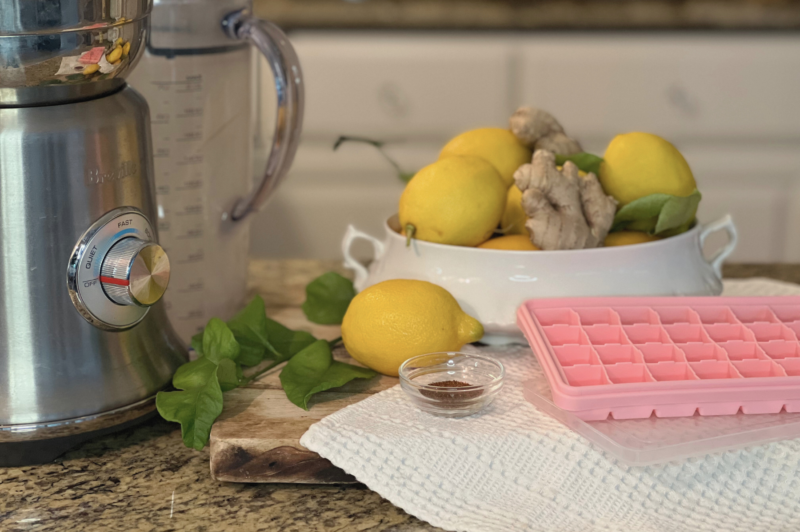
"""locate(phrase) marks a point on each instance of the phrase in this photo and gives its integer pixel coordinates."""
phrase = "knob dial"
(135, 272)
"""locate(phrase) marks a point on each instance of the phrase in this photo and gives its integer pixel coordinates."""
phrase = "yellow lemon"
(513, 220)
(457, 201)
(498, 146)
(114, 55)
(639, 164)
(90, 69)
(626, 238)
(511, 242)
(392, 321)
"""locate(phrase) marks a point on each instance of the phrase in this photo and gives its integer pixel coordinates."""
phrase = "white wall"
(730, 102)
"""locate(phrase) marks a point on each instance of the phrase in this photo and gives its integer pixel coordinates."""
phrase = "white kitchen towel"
(513, 468)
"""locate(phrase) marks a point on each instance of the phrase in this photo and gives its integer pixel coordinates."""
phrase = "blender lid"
(26, 17)
(192, 26)
(59, 51)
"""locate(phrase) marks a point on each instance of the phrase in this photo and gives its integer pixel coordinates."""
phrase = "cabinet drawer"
(741, 86)
(408, 86)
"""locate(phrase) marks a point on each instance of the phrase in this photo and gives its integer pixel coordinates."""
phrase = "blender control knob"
(135, 272)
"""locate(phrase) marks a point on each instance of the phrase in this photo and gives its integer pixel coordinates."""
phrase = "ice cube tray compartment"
(637, 315)
(790, 365)
(736, 351)
(728, 332)
(646, 334)
(565, 335)
(557, 316)
(597, 316)
(586, 375)
(766, 332)
(697, 352)
(655, 353)
(606, 334)
(794, 326)
(714, 369)
(673, 315)
(628, 373)
(576, 355)
(684, 334)
(754, 314)
(619, 354)
(779, 349)
(713, 314)
(758, 368)
(672, 371)
(786, 313)
(631, 357)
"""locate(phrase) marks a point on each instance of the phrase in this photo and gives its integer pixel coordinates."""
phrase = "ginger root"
(565, 210)
(539, 130)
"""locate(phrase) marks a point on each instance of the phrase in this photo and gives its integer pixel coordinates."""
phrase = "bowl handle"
(351, 235)
(724, 223)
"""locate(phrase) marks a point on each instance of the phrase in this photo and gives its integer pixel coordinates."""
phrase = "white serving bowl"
(491, 284)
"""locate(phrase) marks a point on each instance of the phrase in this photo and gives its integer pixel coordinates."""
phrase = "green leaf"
(229, 374)
(261, 337)
(643, 208)
(327, 298)
(648, 225)
(197, 343)
(677, 211)
(219, 342)
(250, 329)
(194, 374)
(657, 213)
(405, 177)
(195, 409)
(313, 370)
(584, 161)
(287, 342)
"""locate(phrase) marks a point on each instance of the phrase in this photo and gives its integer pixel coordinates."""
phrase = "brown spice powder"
(452, 396)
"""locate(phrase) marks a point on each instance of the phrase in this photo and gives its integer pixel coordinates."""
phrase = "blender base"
(40, 443)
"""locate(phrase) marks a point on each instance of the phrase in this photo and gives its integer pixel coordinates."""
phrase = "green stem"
(410, 230)
(334, 343)
(404, 176)
(256, 375)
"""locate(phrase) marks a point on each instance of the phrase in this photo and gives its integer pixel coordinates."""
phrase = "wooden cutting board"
(257, 437)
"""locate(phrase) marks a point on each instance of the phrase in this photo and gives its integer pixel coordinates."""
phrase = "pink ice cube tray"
(631, 357)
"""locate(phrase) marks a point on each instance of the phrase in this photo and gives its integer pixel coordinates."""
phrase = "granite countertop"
(144, 479)
(526, 14)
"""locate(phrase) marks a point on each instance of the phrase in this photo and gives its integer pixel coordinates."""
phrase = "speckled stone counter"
(144, 479)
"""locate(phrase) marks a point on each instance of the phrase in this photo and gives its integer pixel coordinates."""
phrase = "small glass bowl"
(472, 381)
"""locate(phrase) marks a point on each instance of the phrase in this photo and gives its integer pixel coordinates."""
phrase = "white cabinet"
(680, 86)
(731, 103)
(414, 87)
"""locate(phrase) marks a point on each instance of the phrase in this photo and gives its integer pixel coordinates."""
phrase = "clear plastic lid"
(655, 440)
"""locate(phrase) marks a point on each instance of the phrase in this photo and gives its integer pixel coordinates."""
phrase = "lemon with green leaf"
(639, 164)
(652, 182)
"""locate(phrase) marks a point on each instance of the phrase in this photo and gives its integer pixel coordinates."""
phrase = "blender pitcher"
(196, 75)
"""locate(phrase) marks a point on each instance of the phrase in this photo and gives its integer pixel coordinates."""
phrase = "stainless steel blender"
(84, 342)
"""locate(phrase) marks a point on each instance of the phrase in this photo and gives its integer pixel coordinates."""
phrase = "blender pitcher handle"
(283, 61)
